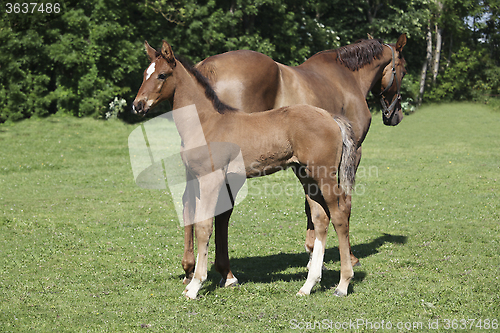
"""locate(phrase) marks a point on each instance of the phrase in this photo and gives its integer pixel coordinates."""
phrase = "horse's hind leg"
(311, 234)
(320, 219)
(221, 249)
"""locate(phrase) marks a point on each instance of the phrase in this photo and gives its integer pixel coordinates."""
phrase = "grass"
(83, 249)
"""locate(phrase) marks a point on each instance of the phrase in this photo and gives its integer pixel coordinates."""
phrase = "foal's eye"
(162, 76)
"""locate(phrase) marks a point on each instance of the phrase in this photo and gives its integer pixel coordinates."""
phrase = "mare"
(335, 80)
(320, 149)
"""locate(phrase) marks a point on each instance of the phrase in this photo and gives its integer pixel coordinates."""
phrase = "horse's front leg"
(221, 250)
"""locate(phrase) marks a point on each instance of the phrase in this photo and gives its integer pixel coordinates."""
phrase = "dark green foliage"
(78, 60)
(74, 61)
(471, 75)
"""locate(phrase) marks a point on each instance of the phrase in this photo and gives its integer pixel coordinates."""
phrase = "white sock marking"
(314, 275)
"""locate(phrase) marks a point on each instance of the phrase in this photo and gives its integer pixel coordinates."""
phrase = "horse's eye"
(162, 76)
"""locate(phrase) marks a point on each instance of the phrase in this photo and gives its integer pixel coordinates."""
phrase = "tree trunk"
(439, 41)
(437, 53)
(427, 61)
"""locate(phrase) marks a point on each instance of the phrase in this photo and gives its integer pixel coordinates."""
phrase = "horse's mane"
(209, 91)
(357, 55)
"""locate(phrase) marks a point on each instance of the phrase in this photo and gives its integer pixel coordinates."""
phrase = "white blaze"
(151, 70)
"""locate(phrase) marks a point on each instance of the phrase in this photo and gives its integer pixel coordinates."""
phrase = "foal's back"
(272, 140)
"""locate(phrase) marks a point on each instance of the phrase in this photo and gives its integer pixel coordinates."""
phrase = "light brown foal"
(319, 148)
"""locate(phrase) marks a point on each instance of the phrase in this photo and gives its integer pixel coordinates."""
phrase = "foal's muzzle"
(139, 108)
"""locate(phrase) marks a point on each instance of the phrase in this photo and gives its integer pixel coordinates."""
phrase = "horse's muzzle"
(394, 119)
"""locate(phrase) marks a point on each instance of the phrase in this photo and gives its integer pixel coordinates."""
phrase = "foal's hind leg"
(339, 215)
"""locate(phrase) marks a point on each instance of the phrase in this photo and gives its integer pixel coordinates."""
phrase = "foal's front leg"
(209, 190)
(203, 231)
(189, 203)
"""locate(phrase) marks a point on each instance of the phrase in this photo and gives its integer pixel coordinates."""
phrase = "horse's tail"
(347, 170)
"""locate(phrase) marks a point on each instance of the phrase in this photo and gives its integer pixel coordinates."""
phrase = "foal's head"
(390, 84)
(158, 83)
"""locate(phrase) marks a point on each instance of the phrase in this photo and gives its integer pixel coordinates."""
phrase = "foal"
(319, 148)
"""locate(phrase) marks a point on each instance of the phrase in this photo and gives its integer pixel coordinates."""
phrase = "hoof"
(358, 264)
(189, 295)
(186, 280)
(338, 293)
(301, 293)
(233, 282)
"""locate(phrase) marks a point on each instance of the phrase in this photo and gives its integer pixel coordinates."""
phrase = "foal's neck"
(189, 91)
(193, 112)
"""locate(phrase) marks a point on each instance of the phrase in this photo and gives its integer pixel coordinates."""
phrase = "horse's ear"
(167, 53)
(401, 43)
(369, 36)
(151, 52)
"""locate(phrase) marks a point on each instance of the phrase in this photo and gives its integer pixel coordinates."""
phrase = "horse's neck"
(370, 74)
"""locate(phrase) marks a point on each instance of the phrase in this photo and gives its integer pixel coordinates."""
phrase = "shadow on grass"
(266, 269)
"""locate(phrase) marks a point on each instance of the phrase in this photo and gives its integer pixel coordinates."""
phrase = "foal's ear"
(401, 43)
(167, 53)
(369, 36)
(151, 52)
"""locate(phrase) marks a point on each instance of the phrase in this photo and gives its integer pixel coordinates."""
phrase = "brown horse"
(319, 148)
(335, 80)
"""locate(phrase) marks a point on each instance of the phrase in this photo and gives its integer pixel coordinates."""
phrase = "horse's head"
(158, 83)
(390, 84)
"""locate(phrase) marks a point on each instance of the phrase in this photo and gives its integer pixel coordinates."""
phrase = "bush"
(75, 61)
(471, 75)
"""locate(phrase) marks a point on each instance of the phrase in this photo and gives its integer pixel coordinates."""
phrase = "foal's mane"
(357, 55)
(209, 91)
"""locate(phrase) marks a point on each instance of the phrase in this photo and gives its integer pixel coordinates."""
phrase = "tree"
(74, 61)
(79, 59)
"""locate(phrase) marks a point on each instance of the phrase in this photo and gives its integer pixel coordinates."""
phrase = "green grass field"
(83, 249)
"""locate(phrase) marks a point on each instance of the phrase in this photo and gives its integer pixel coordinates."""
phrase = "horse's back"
(244, 79)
